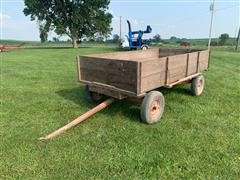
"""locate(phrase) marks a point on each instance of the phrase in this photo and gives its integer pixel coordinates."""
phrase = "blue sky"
(181, 18)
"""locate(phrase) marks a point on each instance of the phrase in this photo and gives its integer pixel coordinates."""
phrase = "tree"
(237, 40)
(157, 38)
(214, 43)
(116, 38)
(99, 39)
(173, 38)
(43, 30)
(76, 18)
(55, 39)
(223, 38)
(43, 34)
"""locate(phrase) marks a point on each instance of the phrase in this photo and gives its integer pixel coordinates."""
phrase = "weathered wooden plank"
(203, 55)
(153, 73)
(176, 74)
(107, 91)
(203, 66)
(106, 64)
(182, 80)
(130, 55)
(197, 69)
(177, 60)
(139, 75)
(123, 92)
(153, 81)
(117, 80)
(153, 66)
(187, 65)
(172, 52)
(176, 67)
(121, 74)
(192, 69)
(78, 67)
(203, 60)
(192, 66)
(166, 72)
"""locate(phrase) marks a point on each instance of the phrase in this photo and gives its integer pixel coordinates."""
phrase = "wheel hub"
(200, 85)
(155, 109)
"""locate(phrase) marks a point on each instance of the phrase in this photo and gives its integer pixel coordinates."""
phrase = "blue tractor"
(134, 39)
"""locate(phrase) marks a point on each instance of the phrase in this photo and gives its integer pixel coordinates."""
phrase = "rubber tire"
(146, 107)
(144, 47)
(94, 97)
(196, 82)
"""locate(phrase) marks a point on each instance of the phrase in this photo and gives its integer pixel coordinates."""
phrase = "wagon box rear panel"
(117, 73)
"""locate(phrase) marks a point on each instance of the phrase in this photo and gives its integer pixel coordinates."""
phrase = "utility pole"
(120, 26)
(211, 24)
(238, 40)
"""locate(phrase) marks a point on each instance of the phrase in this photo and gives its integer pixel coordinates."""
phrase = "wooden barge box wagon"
(136, 74)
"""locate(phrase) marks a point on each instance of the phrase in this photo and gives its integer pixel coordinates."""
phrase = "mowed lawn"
(198, 137)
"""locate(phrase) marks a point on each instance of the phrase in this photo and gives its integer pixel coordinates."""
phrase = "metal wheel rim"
(155, 109)
(200, 85)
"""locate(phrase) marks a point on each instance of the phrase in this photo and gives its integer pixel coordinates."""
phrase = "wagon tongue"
(79, 119)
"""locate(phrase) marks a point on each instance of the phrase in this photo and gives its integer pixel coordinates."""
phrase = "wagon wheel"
(93, 96)
(152, 107)
(144, 47)
(197, 85)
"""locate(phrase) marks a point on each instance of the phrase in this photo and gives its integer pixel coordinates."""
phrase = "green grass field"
(198, 137)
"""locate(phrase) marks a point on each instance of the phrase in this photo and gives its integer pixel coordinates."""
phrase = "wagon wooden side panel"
(203, 60)
(177, 66)
(115, 73)
(153, 73)
(192, 63)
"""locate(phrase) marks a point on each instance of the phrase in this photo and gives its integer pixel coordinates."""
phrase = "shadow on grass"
(77, 95)
(129, 109)
(178, 89)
